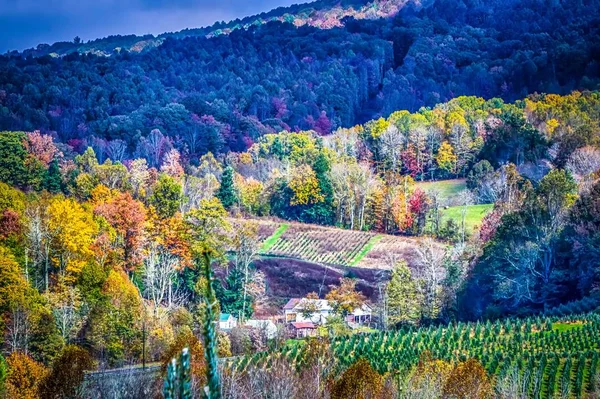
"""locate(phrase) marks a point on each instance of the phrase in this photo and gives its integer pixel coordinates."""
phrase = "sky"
(27, 23)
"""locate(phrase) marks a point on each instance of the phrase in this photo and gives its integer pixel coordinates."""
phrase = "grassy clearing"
(473, 217)
(365, 250)
(269, 242)
(562, 327)
(447, 188)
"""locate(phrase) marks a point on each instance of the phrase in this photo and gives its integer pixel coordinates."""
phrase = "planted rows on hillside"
(329, 246)
(549, 356)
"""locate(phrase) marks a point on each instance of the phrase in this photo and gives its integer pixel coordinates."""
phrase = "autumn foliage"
(25, 376)
(359, 381)
(468, 380)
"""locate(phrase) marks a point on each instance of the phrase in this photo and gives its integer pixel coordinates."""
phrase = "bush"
(359, 381)
(67, 374)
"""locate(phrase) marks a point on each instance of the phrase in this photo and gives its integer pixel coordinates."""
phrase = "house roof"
(291, 303)
(365, 308)
(300, 303)
(305, 324)
(224, 316)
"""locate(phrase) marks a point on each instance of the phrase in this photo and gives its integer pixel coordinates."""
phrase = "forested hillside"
(108, 255)
(223, 93)
(415, 184)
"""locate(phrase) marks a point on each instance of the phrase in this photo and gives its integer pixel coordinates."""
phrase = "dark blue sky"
(27, 23)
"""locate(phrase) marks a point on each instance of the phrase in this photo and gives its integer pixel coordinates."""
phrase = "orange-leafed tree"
(468, 380)
(360, 381)
(24, 376)
(127, 216)
(186, 339)
(345, 298)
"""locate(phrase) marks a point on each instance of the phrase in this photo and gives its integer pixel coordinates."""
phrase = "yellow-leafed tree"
(73, 232)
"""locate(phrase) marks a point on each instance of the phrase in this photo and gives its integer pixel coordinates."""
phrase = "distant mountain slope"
(222, 93)
(323, 14)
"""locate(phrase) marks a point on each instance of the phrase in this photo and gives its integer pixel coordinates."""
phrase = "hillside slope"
(323, 14)
(222, 93)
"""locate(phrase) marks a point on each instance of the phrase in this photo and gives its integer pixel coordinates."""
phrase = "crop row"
(551, 356)
(327, 246)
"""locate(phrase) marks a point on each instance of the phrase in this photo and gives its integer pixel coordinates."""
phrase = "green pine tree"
(226, 193)
(53, 178)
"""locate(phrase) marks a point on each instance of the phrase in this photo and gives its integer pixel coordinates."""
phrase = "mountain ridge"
(322, 14)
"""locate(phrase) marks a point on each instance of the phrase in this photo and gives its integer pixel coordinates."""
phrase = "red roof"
(291, 303)
(305, 324)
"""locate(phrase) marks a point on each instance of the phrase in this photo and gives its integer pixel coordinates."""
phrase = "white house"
(265, 326)
(360, 316)
(227, 321)
(299, 310)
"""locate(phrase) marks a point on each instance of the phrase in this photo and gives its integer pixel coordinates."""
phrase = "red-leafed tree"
(10, 224)
(489, 224)
(411, 162)
(127, 217)
(41, 146)
(418, 205)
(323, 124)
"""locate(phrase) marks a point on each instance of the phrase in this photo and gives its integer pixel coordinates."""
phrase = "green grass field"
(363, 252)
(446, 188)
(269, 242)
(473, 217)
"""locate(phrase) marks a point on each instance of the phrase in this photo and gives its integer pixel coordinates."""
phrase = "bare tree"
(196, 189)
(352, 185)
(392, 142)
(245, 245)
(466, 199)
(116, 150)
(38, 246)
(583, 164)
(431, 272)
(139, 175)
(435, 210)
(18, 328)
(159, 271)
(68, 310)
(515, 385)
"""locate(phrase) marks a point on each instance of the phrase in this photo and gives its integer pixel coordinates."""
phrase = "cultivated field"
(386, 248)
(333, 246)
(550, 357)
(318, 244)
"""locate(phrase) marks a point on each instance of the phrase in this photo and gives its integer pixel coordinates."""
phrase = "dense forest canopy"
(222, 93)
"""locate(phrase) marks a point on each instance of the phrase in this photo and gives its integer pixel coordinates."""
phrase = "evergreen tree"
(53, 178)
(322, 212)
(226, 193)
(230, 294)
